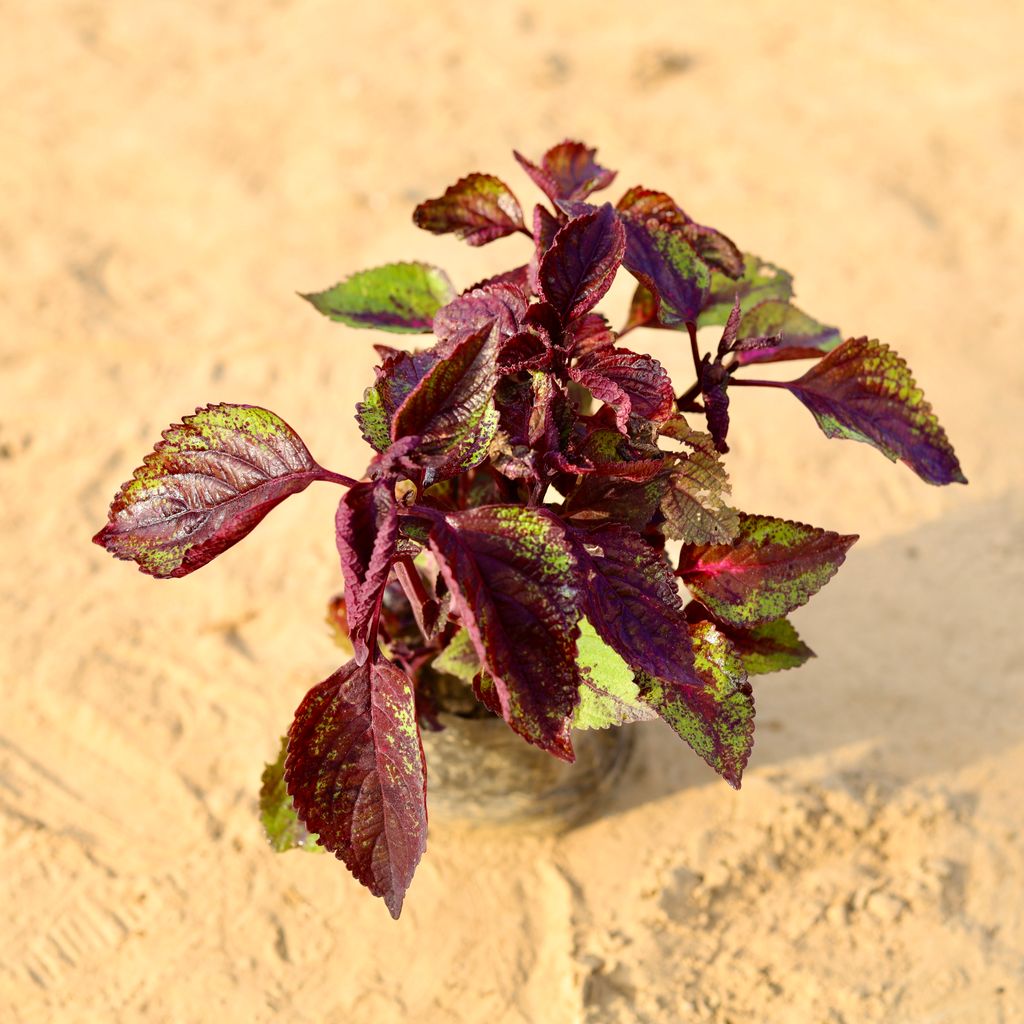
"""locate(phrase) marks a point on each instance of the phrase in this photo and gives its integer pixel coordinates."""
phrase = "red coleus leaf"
(715, 717)
(600, 498)
(632, 600)
(772, 567)
(665, 263)
(545, 226)
(589, 334)
(608, 452)
(478, 209)
(775, 330)
(632, 384)
(568, 171)
(500, 305)
(715, 249)
(444, 398)
(366, 530)
(513, 582)
(864, 391)
(580, 266)
(356, 774)
(207, 484)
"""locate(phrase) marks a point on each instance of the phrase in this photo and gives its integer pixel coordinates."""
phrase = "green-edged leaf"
(399, 297)
(695, 500)
(478, 209)
(459, 658)
(356, 773)
(770, 647)
(775, 330)
(281, 824)
(512, 579)
(717, 718)
(204, 487)
(761, 281)
(609, 694)
(864, 391)
(772, 567)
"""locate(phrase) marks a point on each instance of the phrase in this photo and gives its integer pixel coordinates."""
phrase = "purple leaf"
(568, 171)
(864, 391)
(545, 226)
(400, 297)
(714, 381)
(632, 384)
(775, 330)
(478, 209)
(669, 268)
(631, 598)
(600, 498)
(772, 567)
(519, 276)
(207, 484)
(513, 583)
(366, 530)
(715, 249)
(580, 266)
(356, 773)
(716, 717)
(589, 334)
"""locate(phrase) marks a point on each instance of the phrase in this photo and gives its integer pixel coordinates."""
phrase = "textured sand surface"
(172, 173)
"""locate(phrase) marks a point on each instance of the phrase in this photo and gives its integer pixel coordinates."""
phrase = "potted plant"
(537, 494)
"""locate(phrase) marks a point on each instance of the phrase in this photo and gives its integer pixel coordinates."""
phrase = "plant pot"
(481, 773)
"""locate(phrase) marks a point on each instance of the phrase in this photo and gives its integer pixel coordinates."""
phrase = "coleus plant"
(538, 501)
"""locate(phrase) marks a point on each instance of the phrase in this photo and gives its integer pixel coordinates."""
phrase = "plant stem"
(336, 478)
(747, 383)
(691, 329)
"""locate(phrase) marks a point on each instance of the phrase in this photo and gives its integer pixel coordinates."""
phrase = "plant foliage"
(528, 474)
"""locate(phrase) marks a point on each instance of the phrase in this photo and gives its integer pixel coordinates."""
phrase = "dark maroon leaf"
(775, 330)
(865, 391)
(589, 334)
(612, 453)
(204, 487)
(716, 717)
(356, 773)
(366, 530)
(525, 351)
(519, 276)
(568, 171)
(478, 209)
(714, 381)
(632, 384)
(772, 567)
(600, 498)
(513, 583)
(545, 226)
(580, 266)
(715, 249)
(631, 598)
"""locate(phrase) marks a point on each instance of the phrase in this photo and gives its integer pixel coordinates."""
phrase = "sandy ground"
(172, 173)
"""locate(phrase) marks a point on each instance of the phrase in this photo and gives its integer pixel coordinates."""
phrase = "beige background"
(172, 173)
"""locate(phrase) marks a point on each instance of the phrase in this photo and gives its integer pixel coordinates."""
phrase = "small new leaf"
(716, 717)
(356, 773)
(568, 171)
(398, 297)
(204, 487)
(775, 330)
(281, 824)
(772, 567)
(478, 209)
(864, 391)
